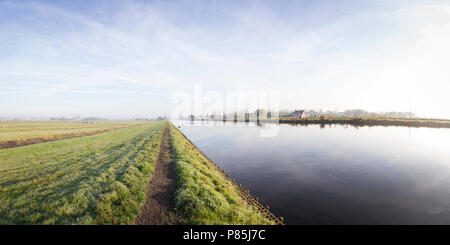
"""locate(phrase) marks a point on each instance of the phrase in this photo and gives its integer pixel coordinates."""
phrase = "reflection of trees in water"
(323, 125)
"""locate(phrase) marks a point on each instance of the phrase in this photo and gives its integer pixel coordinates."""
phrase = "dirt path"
(159, 206)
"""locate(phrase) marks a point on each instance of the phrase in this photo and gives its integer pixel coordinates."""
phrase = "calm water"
(336, 175)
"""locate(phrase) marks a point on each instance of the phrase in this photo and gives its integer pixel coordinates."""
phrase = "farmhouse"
(298, 114)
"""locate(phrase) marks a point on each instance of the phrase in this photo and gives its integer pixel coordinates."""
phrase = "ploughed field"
(102, 178)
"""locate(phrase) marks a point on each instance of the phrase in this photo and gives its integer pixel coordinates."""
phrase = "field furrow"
(99, 179)
(14, 134)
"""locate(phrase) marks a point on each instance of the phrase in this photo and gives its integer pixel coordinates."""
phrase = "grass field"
(102, 178)
(204, 195)
(99, 179)
(14, 133)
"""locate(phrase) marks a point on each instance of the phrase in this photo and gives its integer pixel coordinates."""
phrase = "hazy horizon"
(125, 59)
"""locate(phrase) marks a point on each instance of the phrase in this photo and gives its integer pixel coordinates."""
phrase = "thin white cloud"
(344, 63)
(333, 42)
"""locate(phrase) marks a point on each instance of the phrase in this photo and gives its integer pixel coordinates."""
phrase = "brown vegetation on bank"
(401, 122)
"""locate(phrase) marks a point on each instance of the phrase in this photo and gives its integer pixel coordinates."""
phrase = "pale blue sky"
(122, 59)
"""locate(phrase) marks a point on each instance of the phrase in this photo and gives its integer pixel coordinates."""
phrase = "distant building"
(298, 114)
(261, 114)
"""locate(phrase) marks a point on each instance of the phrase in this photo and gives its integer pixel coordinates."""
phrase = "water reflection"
(332, 174)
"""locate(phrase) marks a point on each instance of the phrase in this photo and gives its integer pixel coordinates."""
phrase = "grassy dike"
(205, 195)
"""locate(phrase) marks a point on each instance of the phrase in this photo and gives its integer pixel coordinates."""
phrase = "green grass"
(204, 196)
(99, 179)
(102, 179)
(24, 130)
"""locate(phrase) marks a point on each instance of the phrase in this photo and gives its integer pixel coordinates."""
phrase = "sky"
(120, 59)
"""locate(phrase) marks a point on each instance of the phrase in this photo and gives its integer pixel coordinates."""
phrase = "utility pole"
(410, 109)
